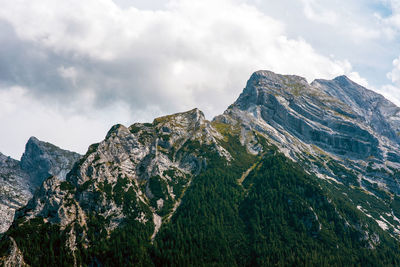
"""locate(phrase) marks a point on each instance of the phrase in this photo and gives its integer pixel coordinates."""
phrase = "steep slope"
(280, 216)
(14, 190)
(42, 160)
(337, 129)
(19, 179)
(382, 115)
(290, 174)
(132, 181)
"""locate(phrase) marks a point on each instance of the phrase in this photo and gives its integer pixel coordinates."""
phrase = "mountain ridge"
(288, 158)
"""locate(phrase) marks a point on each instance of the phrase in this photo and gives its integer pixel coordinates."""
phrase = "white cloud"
(22, 116)
(355, 76)
(343, 18)
(392, 91)
(316, 12)
(394, 75)
(390, 23)
(68, 73)
(192, 53)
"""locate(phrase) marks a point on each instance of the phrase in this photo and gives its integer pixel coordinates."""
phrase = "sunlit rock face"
(153, 163)
(337, 118)
(344, 137)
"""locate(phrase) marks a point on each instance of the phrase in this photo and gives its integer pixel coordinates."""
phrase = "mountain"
(338, 130)
(14, 190)
(292, 173)
(19, 179)
(42, 159)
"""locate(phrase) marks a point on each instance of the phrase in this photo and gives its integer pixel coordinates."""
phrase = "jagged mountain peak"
(19, 179)
(33, 139)
(189, 120)
(34, 145)
(325, 114)
(272, 76)
(42, 159)
(344, 89)
(262, 84)
(182, 172)
(343, 79)
(158, 142)
(117, 129)
(154, 162)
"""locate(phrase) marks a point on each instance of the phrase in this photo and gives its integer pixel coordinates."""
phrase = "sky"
(71, 69)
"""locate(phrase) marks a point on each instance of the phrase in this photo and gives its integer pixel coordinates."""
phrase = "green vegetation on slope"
(280, 218)
(279, 215)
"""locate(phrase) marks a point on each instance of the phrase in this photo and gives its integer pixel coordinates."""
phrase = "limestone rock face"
(20, 179)
(336, 116)
(14, 190)
(150, 162)
(337, 129)
(291, 106)
(42, 160)
(375, 110)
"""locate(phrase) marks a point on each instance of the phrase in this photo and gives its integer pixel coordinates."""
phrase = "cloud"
(392, 91)
(85, 57)
(394, 75)
(390, 24)
(316, 12)
(22, 116)
(390, 18)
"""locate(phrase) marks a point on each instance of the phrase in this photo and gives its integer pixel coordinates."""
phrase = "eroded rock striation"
(343, 132)
(142, 179)
(138, 173)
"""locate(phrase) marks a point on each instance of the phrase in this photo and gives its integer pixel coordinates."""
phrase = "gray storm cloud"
(95, 63)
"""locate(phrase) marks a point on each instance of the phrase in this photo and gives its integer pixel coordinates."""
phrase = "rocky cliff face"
(295, 109)
(138, 173)
(42, 160)
(342, 135)
(19, 179)
(373, 109)
(14, 190)
(343, 132)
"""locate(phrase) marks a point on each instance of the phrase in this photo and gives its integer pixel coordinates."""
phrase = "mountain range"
(292, 173)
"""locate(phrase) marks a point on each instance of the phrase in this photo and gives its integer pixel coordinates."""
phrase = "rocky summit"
(19, 179)
(292, 173)
(42, 160)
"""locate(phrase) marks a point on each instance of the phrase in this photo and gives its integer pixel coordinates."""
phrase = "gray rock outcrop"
(20, 179)
(42, 160)
(341, 132)
(153, 162)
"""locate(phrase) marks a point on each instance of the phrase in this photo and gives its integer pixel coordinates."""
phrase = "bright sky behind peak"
(71, 69)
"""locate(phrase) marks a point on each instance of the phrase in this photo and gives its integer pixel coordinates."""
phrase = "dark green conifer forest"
(277, 215)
